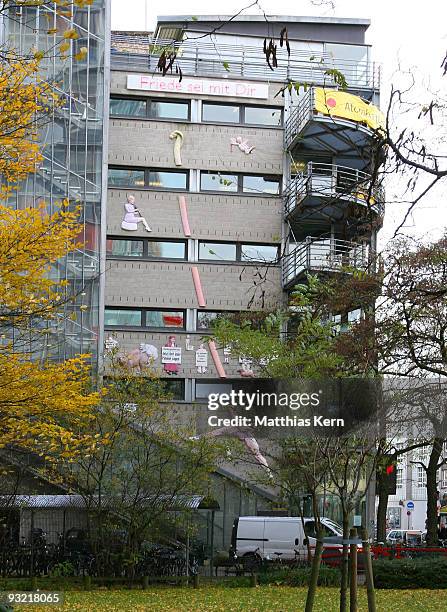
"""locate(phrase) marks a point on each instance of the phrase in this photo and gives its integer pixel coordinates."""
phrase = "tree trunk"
(344, 565)
(432, 497)
(383, 494)
(368, 573)
(313, 582)
(353, 606)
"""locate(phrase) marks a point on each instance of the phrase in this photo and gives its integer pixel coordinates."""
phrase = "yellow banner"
(347, 106)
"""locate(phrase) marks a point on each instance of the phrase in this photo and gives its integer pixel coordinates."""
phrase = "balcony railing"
(334, 182)
(323, 255)
(304, 111)
(202, 58)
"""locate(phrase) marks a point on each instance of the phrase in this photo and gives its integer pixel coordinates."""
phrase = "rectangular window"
(165, 319)
(218, 181)
(203, 389)
(168, 180)
(262, 115)
(220, 113)
(260, 184)
(127, 108)
(175, 389)
(166, 249)
(163, 109)
(126, 177)
(122, 317)
(421, 477)
(259, 252)
(217, 251)
(205, 318)
(399, 478)
(124, 248)
(444, 479)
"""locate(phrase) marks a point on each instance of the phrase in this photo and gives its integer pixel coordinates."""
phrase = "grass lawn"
(260, 599)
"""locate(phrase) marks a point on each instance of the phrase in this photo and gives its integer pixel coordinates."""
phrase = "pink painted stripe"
(198, 286)
(184, 215)
(216, 359)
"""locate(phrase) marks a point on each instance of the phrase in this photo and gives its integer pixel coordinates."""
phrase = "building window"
(263, 115)
(167, 180)
(217, 251)
(125, 107)
(421, 477)
(218, 181)
(126, 177)
(221, 113)
(259, 252)
(147, 248)
(206, 318)
(155, 108)
(148, 178)
(122, 317)
(124, 248)
(166, 249)
(226, 251)
(174, 388)
(144, 317)
(399, 478)
(243, 114)
(165, 318)
(248, 183)
(260, 184)
(444, 478)
(166, 109)
(204, 388)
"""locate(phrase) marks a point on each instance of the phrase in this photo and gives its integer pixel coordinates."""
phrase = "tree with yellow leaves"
(44, 405)
(41, 403)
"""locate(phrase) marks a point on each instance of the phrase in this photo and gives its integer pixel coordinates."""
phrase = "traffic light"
(387, 471)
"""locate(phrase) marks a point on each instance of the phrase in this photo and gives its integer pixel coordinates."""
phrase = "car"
(408, 537)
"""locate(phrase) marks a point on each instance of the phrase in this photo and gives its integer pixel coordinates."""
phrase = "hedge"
(410, 573)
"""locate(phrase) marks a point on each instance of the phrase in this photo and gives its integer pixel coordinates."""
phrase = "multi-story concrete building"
(407, 508)
(218, 169)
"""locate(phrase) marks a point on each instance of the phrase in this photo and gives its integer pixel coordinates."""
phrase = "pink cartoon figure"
(171, 358)
(132, 216)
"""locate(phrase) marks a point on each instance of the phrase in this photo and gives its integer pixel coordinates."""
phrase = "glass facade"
(72, 149)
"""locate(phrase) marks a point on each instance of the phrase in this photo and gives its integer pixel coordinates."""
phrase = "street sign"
(410, 505)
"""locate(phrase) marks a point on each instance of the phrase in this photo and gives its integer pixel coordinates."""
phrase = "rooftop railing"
(323, 255)
(334, 182)
(204, 58)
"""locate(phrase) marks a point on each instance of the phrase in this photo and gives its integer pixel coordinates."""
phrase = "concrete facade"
(222, 216)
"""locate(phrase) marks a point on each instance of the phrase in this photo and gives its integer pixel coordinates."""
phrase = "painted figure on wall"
(139, 358)
(132, 216)
(171, 359)
(202, 360)
(242, 145)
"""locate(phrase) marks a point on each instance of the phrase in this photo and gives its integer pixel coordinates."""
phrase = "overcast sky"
(406, 36)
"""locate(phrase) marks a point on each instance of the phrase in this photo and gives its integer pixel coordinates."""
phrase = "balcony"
(205, 59)
(322, 255)
(334, 122)
(329, 188)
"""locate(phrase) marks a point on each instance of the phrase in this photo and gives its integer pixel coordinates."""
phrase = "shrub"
(63, 569)
(411, 573)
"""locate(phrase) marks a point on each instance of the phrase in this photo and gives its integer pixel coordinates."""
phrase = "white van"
(275, 537)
